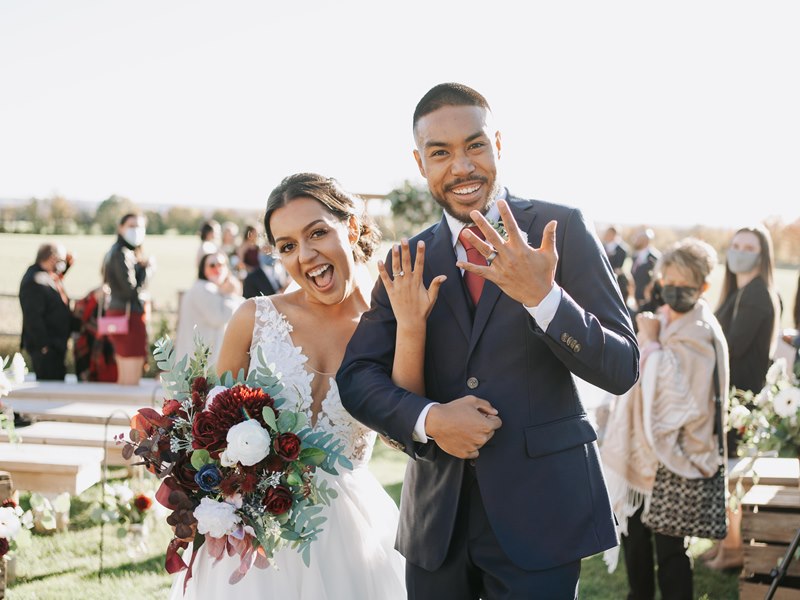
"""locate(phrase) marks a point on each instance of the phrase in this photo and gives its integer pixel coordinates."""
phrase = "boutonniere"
(501, 230)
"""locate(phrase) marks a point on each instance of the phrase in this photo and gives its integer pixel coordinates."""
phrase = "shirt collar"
(455, 225)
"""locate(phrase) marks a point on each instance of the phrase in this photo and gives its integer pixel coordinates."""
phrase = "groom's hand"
(463, 426)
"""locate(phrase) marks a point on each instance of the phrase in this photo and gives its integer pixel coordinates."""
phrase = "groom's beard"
(464, 217)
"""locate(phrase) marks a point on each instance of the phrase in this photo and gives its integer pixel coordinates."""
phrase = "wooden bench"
(71, 411)
(763, 471)
(88, 435)
(770, 520)
(51, 469)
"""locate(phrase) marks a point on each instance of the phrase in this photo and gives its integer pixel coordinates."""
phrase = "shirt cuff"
(544, 313)
(419, 434)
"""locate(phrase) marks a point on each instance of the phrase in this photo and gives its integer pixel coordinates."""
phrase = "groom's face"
(457, 152)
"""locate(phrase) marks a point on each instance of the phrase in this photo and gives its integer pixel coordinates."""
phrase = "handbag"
(680, 506)
(113, 325)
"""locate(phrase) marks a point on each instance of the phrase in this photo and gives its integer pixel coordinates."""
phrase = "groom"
(505, 494)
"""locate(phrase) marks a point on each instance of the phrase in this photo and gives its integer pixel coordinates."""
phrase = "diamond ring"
(491, 257)
(398, 274)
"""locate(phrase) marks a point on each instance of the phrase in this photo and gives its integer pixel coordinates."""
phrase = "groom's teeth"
(467, 190)
(318, 271)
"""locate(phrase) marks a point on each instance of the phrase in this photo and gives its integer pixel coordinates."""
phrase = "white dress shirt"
(543, 313)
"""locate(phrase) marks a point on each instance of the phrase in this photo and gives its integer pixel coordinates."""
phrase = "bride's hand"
(411, 302)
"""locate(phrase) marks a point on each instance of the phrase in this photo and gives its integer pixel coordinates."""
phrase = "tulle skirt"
(353, 558)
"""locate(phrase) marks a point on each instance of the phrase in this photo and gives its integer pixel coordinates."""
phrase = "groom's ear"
(418, 158)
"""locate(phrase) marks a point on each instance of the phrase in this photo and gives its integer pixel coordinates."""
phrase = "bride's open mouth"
(321, 276)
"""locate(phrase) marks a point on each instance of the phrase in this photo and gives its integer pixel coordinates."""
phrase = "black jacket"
(124, 276)
(46, 319)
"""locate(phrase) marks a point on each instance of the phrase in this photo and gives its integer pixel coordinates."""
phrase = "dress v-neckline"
(314, 418)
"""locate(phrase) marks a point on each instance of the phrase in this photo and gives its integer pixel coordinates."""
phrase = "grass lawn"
(65, 565)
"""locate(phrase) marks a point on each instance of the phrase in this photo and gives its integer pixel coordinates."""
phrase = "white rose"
(248, 443)
(786, 402)
(9, 523)
(739, 416)
(776, 371)
(762, 398)
(123, 493)
(216, 519)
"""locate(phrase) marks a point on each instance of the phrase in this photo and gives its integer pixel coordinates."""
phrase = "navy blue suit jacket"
(539, 476)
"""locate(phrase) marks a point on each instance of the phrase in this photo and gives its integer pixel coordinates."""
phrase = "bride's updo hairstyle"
(339, 203)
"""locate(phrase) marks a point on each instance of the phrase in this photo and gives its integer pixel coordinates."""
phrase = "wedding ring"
(491, 257)
(398, 274)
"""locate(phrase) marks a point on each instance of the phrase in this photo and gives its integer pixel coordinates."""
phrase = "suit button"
(577, 348)
(564, 337)
(472, 383)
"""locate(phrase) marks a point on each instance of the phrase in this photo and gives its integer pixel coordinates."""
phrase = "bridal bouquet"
(237, 470)
(770, 420)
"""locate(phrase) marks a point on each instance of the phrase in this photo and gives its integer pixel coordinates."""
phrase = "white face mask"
(61, 266)
(134, 236)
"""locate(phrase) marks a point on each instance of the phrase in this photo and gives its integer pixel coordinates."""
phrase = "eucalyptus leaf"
(286, 421)
(269, 417)
(200, 458)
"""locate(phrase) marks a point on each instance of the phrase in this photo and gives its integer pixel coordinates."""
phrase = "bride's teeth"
(318, 271)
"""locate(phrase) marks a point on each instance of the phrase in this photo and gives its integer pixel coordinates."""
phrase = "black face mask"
(681, 299)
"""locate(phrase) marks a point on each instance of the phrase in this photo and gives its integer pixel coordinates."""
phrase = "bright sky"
(676, 112)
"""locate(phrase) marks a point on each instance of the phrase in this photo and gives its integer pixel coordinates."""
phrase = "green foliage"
(413, 208)
(111, 210)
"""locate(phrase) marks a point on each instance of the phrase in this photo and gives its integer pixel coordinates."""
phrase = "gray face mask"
(742, 261)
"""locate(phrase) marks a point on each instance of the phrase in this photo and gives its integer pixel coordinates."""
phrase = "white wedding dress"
(354, 557)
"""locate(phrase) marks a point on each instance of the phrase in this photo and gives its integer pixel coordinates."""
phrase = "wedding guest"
(645, 257)
(230, 233)
(210, 234)
(94, 353)
(617, 251)
(126, 271)
(667, 418)
(248, 251)
(207, 306)
(268, 279)
(46, 317)
(749, 312)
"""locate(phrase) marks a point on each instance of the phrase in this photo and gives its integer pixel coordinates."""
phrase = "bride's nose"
(307, 252)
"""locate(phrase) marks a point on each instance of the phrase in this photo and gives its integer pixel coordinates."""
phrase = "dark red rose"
(171, 407)
(4, 547)
(274, 463)
(200, 385)
(278, 500)
(230, 407)
(287, 445)
(208, 433)
(183, 473)
(142, 502)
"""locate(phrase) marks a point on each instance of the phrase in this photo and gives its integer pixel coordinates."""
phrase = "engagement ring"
(398, 274)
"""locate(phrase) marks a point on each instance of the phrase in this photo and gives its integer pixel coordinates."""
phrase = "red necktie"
(474, 282)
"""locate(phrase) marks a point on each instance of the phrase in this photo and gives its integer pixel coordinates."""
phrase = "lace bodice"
(272, 333)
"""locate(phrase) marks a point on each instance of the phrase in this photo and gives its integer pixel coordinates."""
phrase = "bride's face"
(316, 249)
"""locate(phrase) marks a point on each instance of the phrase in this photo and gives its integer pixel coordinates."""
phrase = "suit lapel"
(524, 215)
(441, 260)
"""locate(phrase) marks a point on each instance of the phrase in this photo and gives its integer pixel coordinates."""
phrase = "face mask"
(742, 261)
(134, 236)
(681, 299)
(266, 260)
(61, 266)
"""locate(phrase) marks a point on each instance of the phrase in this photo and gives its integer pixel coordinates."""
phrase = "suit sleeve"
(591, 332)
(754, 314)
(364, 378)
(33, 303)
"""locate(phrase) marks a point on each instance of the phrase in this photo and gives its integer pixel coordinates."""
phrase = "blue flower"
(208, 477)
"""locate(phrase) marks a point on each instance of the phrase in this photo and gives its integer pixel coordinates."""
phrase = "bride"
(313, 225)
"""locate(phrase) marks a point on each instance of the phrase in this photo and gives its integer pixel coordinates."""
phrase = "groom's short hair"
(448, 94)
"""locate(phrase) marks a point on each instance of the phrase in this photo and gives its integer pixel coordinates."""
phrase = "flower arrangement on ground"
(769, 422)
(123, 506)
(13, 522)
(238, 472)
